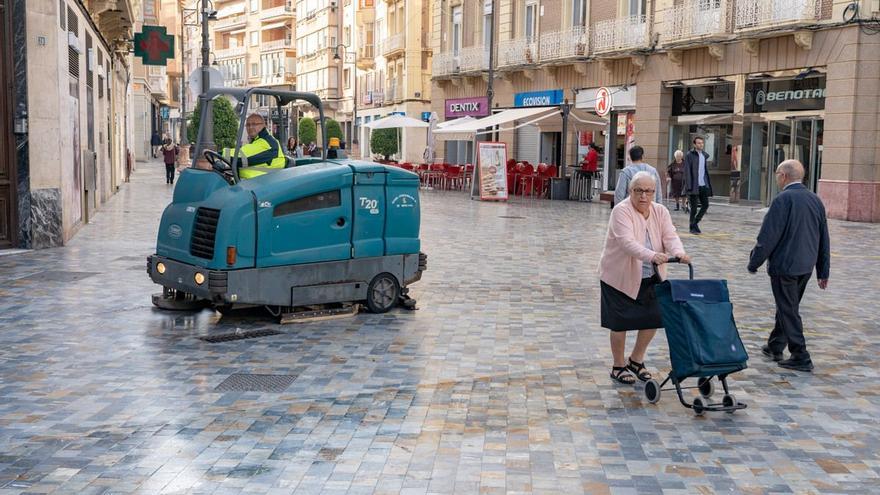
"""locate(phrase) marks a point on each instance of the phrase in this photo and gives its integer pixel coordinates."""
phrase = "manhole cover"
(248, 334)
(510, 216)
(244, 382)
(58, 276)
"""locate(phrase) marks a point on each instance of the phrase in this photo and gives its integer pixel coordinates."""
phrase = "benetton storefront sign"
(464, 107)
(538, 98)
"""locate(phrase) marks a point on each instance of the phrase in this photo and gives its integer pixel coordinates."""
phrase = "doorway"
(798, 138)
(8, 185)
(550, 148)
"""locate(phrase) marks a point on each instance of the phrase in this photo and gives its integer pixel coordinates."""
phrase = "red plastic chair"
(527, 176)
(434, 175)
(452, 176)
(467, 175)
(408, 166)
(542, 182)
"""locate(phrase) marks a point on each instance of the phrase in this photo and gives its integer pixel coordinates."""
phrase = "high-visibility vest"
(263, 154)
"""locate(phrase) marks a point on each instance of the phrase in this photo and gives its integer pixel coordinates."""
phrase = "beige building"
(68, 67)
(761, 80)
(392, 55)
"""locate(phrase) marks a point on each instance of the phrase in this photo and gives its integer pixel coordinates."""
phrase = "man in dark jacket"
(155, 142)
(794, 237)
(696, 183)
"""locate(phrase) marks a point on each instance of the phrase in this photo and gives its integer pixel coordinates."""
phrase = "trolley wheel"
(652, 391)
(729, 401)
(706, 387)
(382, 293)
(699, 406)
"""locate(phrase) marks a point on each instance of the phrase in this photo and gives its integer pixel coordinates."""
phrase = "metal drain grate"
(58, 276)
(511, 216)
(249, 334)
(243, 382)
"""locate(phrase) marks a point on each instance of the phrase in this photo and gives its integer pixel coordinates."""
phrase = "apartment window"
(255, 38)
(578, 13)
(255, 70)
(346, 76)
(347, 36)
(255, 5)
(456, 30)
(531, 19)
(638, 7)
(487, 29)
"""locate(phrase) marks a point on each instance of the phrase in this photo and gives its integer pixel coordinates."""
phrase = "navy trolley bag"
(703, 340)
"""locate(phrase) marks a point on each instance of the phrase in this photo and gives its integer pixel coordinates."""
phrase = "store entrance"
(794, 138)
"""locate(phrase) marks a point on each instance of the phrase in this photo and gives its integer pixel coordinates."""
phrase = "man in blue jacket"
(794, 237)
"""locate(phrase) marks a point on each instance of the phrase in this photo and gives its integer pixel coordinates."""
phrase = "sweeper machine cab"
(317, 232)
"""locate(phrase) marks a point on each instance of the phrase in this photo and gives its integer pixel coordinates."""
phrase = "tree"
(333, 129)
(384, 142)
(225, 124)
(308, 131)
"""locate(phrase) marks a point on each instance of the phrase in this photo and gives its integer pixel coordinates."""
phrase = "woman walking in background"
(675, 172)
(169, 154)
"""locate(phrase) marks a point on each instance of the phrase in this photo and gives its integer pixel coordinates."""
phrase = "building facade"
(391, 58)
(65, 72)
(760, 80)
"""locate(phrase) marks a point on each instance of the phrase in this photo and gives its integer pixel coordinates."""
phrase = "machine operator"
(264, 153)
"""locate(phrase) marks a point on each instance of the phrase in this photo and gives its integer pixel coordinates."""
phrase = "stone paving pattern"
(497, 384)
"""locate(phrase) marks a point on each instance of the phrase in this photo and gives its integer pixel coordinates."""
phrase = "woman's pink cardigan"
(621, 262)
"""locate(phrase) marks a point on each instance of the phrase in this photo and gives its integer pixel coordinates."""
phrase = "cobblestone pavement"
(497, 384)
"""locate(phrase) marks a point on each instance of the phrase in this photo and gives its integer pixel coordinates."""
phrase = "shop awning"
(231, 10)
(274, 25)
(395, 122)
(704, 119)
(500, 118)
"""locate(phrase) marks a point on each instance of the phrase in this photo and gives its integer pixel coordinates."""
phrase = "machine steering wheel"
(219, 164)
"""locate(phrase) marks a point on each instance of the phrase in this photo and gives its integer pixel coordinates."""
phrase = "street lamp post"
(354, 126)
(184, 12)
(208, 122)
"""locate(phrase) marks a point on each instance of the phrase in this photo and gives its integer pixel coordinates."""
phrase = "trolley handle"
(676, 259)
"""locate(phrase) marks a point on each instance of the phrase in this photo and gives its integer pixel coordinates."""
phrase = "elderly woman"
(640, 239)
(675, 172)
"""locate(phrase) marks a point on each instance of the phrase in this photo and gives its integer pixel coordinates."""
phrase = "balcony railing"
(236, 83)
(761, 14)
(276, 79)
(619, 35)
(696, 19)
(394, 44)
(231, 21)
(565, 44)
(280, 11)
(473, 59)
(237, 51)
(443, 64)
(268, 46)
(520, 51)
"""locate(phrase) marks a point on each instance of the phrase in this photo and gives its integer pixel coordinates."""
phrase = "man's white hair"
(639, 177)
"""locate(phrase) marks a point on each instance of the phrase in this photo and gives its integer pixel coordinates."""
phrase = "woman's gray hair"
(678, 154)
(639, 177)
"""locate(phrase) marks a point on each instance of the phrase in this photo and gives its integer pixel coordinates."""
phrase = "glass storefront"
(718, 140)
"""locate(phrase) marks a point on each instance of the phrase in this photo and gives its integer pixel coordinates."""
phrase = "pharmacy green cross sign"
(153, 45)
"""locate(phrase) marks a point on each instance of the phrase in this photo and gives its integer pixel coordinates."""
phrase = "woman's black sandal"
(621, 374)
(639, 369)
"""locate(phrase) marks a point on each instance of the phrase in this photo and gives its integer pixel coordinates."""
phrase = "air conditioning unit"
(74, 42)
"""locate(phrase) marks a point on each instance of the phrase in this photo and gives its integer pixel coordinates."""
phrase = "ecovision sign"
(785, 95)
(538, 98)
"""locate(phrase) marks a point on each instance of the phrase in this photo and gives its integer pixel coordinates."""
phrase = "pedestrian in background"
(622, 190)
(590, 167)
(794, 238)
(639, 241)
(696, 183)
(169, 155)
(291, 145)
(155, 142)
(675, 172)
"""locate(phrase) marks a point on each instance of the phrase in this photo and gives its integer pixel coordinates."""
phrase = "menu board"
(492, 170)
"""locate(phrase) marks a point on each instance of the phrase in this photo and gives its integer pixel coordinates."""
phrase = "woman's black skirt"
(620, 313)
